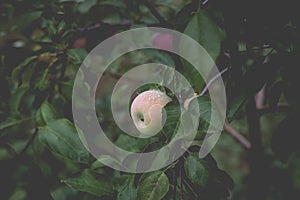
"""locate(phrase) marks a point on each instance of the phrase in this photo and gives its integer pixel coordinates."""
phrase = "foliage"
(43, 43)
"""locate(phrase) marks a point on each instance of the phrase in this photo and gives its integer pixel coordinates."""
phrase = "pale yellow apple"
(147, 111)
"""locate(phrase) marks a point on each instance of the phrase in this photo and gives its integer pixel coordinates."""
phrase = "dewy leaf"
(196, 170)
(153, 186)
(45, 114)
(87, 182)
(205, 31)
(61, 137)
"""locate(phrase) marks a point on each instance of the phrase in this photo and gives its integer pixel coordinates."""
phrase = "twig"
(260, 98)
(156, 14)
(237, 136)
(175, 184)
(212, 80)
(187, 101)
(204, 2)
(181, 187)
(281, 107)
(256, 159)
(190, 188)
(29, 142)
(255, 49)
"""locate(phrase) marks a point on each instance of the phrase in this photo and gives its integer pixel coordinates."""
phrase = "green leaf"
(42, 82)
(77, 55)
(171, 125)
(127, 191)
(61, 137)
(206, 109)
(131, 144)
(159, 57)
(17, 72)
(86, 5)
(205, 31)
(87, 182)
(17, 97)
(22, 21)
(45, 114)
(112, 18)
(153, 186)
(67, 89)
(184, 16)
(196, 170)
(9, 122)
(235, 105)
(115, 3)
(193, 76)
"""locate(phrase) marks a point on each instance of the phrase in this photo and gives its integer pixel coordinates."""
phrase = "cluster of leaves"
(42, 46)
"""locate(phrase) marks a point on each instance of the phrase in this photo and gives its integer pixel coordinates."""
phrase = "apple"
(147, 111)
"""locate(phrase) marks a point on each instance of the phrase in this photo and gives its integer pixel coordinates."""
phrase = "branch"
(156, 14)
(281, 107)
(260, 98)
(256, 158)
(181, 180)
(211, 81)
(29, 142)
(237, 136)
(204, 2)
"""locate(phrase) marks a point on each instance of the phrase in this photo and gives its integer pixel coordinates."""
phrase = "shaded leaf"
(87, 182)
(86, 5)
(153, 186)
(45, 114)
(9, 122)
(285, 140)
(205, 31)
(206, 109)
(275, 92)
(235, 105)
(17, 72)
(196, 170)
(22, 21)
(184, 15)
(115, 3)
(77, 55)
(61, 137)
(42, 83)
(127, 191)
(16, 98)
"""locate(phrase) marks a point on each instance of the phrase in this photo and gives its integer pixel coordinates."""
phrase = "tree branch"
(237, 136)
(260, 98)
(181, 181)
(281, 107)
(156, 14)
(211, 81)
(29, 142)
(256, 159)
